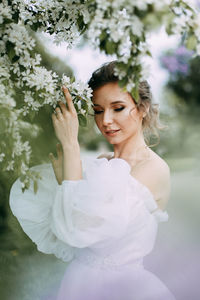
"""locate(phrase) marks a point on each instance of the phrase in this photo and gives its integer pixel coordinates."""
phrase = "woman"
(101, 215)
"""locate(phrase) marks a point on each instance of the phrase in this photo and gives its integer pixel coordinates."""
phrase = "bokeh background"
(26, 273)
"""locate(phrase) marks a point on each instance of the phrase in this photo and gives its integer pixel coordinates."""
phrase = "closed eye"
(97, 112)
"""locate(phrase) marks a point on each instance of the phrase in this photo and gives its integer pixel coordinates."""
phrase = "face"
(116, 114)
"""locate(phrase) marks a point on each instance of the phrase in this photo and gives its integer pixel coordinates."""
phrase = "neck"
(133, 149)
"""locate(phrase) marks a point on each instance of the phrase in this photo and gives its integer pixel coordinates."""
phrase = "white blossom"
(137, 26)
(6, 11)
(119, 73)
(24, 168)
(18, 35)
(78, 88)
(2, 155)
(130, 86)
(40, 79)
(10, 165)
(6, 96)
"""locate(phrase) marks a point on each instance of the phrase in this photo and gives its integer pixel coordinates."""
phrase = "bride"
(101, 215)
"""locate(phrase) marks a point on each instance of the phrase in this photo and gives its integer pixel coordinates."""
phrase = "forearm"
(72, 167)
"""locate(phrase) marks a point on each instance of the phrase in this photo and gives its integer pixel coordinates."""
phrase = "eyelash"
(96, 112)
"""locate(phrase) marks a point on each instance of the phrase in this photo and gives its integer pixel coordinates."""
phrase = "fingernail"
(65, 88)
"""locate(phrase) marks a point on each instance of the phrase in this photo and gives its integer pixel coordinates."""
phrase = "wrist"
(72, 146)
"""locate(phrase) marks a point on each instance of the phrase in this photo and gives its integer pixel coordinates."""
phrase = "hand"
(65, 121)
(57, 163)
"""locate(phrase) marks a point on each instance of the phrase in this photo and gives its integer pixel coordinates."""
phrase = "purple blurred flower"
(177, 61)
(198, 3)
(182, 50)
(183, 69)
(170, 63)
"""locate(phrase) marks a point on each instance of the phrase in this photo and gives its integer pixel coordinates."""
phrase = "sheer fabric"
(104, 224)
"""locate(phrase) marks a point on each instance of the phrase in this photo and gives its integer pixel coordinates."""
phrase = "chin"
(113, 140)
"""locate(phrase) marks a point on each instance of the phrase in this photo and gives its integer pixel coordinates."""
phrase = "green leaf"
(169, 29)
(84, 104)
(35, 186)
(35, 26)
(191, 42)
(76, 106)
(103, 36)
(10, 50)
(72, 79)
(135, 94)
(32, 114)
(28, 185)
(82, 120)
(110, 47)
(123, 82)
(15, 16)
(148, 53)
(15, 58)
(80, 22)
(22, 177)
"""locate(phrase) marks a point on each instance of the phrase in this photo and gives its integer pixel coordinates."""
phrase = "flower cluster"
(80, 93)
(121, 27)
(60, 18)
(186, 23)
(20, 72)
(117, 27)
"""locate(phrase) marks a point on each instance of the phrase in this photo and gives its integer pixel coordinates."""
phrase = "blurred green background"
(26, 274)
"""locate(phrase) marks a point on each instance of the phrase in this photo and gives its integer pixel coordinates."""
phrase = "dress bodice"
(108, 211)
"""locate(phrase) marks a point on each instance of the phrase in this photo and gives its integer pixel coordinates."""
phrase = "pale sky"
(85, 60)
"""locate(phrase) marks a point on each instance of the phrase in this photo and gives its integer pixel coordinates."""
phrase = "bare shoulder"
(155, 175)
(106, 155)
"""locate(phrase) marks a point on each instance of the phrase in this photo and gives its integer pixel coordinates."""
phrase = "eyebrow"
(114, 102)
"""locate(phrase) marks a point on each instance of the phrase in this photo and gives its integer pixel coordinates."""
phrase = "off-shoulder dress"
(103, 225)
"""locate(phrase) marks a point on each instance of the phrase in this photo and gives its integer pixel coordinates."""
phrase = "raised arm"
(66, 125)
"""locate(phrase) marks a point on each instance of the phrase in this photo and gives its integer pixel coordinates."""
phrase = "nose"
(107, 118)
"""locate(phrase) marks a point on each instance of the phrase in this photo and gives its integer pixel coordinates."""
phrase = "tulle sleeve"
(152, 206)
(94, 209)
(34, 213)
(77, 213)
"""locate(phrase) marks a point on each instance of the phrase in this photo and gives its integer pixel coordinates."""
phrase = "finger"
(62, 107)
(59, 150)
(68, 99)
(53, 116)
(58, 112)
(52, 157)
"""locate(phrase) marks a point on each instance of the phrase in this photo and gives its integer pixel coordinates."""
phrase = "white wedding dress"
(103, 224)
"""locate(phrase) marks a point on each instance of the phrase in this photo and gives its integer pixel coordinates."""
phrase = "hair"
(150, 123)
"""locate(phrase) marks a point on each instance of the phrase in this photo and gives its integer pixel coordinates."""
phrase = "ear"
(146, 107)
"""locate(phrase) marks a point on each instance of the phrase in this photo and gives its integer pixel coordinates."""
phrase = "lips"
(112, 132)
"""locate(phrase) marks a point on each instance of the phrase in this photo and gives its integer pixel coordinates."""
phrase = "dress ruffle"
(93, 209)
(147, 197)
(81, 213)
(34, 213)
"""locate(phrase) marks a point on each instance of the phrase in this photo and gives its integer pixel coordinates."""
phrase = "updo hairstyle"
(150, 123)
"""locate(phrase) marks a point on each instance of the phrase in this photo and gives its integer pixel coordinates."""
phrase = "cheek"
(129, 118)
(97, 121)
